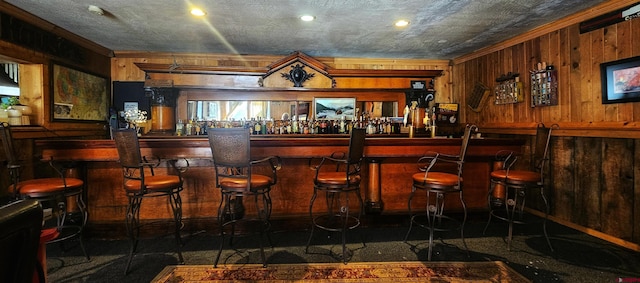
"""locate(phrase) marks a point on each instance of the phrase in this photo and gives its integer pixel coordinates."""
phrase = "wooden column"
(373, 199)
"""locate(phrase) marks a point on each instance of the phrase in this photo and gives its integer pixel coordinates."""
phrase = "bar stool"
(516, 183)
(337, 183)
(437, 180)
(237, 177)
(56, 193)
(141, 182)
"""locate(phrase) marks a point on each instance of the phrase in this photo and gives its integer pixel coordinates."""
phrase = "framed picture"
(334, 108)
(78, 96)
(621, 80)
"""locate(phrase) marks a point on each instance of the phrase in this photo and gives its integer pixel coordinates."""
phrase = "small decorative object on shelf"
(544, 86)
(509, 89)
(477, 98)
(135, 119)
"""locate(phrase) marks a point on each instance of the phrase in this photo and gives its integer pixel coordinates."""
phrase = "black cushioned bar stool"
(337, 177)
(239, 177)
(515, 183)
(441, 175)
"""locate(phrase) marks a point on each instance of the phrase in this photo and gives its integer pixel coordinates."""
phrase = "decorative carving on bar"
(297, 61)
(297, 75)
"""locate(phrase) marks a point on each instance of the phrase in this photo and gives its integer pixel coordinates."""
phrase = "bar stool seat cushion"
(46, 186)
(257, 181)
(336, 178)
(436, 178)
(517, 176)
(155, 183)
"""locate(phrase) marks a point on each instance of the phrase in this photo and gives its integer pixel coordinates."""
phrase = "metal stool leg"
(546, 215)
(176, 206)
(84, 214)
(313, 224)
(464, 220)
(411, 216)
(133, 227)
(433, 212)
(262, 217)
(223, 211)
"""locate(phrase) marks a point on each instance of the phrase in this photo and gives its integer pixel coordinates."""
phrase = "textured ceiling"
(439, 29)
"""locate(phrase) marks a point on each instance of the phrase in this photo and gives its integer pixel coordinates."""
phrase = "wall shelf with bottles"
(544, 86)
(509, 89)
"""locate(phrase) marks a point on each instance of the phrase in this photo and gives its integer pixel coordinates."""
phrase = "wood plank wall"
(595, 168)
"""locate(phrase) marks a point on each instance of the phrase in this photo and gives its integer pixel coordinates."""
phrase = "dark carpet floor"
(577, 258)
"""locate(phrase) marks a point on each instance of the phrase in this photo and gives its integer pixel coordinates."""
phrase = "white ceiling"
(439, 29)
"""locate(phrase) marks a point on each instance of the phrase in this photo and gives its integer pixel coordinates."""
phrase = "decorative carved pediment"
(298, 70)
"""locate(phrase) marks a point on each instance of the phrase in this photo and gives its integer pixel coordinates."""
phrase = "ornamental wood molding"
(279, 74)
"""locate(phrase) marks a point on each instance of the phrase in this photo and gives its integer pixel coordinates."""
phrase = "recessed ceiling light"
(96, 10)
(197, 12)
(307, 18)
(402, 23)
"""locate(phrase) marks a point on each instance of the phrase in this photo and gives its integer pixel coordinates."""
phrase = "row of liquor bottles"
(382, 125)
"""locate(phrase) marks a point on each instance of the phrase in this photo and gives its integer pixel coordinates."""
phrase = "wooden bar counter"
(389, 164)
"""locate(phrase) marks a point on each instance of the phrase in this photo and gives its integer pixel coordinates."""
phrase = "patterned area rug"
(409, 271)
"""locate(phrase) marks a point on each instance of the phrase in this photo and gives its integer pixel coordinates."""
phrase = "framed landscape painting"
(621, 80)
(334, 108)
(78, 96)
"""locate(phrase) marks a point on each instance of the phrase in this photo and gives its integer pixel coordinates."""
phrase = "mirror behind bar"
(235, 110)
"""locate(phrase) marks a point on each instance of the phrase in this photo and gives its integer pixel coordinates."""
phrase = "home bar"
(302, 108)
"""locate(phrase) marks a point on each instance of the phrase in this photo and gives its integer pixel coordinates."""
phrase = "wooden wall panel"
(575, 75)
(588, 161)
(595, 168)
(617, 187)
(561, 185)
(577, 57)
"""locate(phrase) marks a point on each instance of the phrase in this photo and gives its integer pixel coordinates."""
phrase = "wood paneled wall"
(577, 59)
(594, 182)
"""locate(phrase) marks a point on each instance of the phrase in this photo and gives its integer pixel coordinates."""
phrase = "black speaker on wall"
(130, 92)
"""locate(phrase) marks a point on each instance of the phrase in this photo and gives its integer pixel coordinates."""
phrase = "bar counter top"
(285, 146)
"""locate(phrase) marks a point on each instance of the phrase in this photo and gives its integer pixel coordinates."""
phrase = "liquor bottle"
(179, 128)
(295, 127)
(280, 127)
(188, 128)
(342, 129)
(257, 127)
(323, 127)
(196, 128)
(305, 127)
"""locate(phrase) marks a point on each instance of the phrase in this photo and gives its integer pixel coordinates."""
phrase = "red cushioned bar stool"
(514, 184)
(58, 193)
(441, 175)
